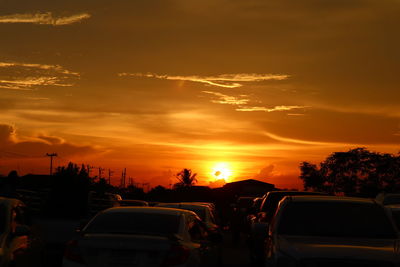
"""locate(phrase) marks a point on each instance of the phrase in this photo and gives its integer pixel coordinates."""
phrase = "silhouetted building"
(249, 187)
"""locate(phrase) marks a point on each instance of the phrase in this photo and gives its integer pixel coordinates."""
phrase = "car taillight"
(73, 253)
(176, 255)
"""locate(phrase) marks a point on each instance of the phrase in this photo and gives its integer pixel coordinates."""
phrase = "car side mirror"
(22, 230)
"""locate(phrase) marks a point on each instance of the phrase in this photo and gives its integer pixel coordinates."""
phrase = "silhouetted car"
(203, 211)
(133, 202)
(18, 246)
(266, 212)
(142, 236)
(98, 202)
(331, 231)
(388, 198)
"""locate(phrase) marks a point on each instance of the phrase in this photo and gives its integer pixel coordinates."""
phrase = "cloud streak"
(276, 108)
(226, 99)
(27, 76)
(223, 80)
(44, 18)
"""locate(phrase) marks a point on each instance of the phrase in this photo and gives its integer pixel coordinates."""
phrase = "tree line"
(357, 172)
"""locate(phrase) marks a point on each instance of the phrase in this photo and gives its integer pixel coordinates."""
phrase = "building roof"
(248, 182)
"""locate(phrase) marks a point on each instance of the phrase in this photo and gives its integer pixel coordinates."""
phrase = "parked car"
(388, 198)
(101, 201)
(133, 202)
(264, 215)
(142, 236)
(203, 211)
(19, 247)
(331, 231)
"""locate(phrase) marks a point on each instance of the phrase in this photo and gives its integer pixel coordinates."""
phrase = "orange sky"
(157, 86)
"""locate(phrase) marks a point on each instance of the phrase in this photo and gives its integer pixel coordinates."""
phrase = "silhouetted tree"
(70, 190)
(186, 178)
(158, 193)
(8, 185)
(101, 186)
(132, 192)
(357, 171)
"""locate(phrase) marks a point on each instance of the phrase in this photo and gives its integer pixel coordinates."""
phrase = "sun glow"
(221, 170)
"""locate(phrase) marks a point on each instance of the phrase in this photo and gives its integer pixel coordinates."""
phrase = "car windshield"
(199, 210)
(134, 223)
(273, 198)
(391, 199)
(335, 219)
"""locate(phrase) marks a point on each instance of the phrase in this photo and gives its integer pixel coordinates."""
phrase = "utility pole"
(124, 177)
(100, 172)
(51, 161)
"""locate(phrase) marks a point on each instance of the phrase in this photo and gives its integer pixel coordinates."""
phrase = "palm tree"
(186, 178)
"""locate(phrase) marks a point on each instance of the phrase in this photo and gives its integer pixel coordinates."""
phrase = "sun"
(221, 170)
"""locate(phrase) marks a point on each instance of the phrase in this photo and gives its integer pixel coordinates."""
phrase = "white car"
(331, 231)
(142, 236)
(202, 210)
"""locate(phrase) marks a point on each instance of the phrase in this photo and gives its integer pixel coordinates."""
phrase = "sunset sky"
(252, 87)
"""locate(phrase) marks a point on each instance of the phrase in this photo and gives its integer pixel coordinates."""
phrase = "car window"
(344, 219)
(391, 199)
(200, 211)
(134, 223)
(396, 218)
(270, 203)
(197, 231)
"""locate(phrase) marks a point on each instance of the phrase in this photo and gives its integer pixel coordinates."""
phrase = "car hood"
(339, 248)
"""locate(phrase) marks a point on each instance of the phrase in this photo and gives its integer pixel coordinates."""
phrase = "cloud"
(265, 173)
(242, 100)
(44, 18)
(226, 99)
(302, 142)
(27, 76)
(217, 183)
(12, 146)
(223, 80)
(276, 108)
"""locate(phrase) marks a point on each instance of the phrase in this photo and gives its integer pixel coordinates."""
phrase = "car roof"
(317, 198)
(158, 210)
(184, 205)
(10, 201)
(295, 192)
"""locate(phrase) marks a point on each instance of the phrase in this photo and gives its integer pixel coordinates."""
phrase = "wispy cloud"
(44, 18)
(276, 108)
(223, 80)
(243, 103)
(301, 142)
(226, 99)
(26, 76)
(56, 68)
